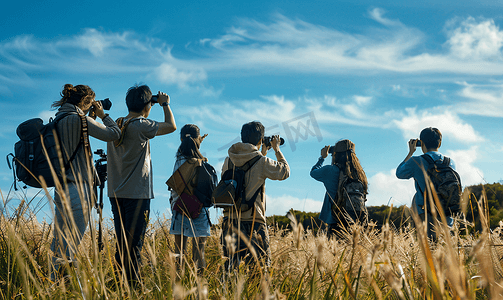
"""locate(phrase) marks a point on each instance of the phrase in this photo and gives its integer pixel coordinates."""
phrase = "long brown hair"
(350, 165)
(79, 95)
(189, 148)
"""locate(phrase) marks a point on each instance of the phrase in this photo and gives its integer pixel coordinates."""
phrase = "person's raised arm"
(276, 170)
(169, 125)
(108, 131)
(412, 149)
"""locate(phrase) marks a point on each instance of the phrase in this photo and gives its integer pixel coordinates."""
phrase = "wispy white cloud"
(292, 44)
(98, 53)
(447, 122)
(267, 109)
(167, 73)
(377, 14)
(283, 44)
(481, 99)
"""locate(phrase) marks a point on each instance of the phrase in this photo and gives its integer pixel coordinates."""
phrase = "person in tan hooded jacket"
(252, 222)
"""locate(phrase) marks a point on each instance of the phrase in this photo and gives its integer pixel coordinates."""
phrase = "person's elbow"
(171, 128)
(111, 135)
(166, 129)
(400, 174)
(285, 172)
(313, 174)
(115, 135)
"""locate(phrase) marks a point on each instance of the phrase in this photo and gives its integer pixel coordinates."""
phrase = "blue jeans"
(130, 221)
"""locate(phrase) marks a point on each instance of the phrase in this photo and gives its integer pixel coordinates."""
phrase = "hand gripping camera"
(268, 139)
(106, 103)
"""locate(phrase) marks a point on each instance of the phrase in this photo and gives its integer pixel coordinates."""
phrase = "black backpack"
(37, 142)
(350, 195)
(231, 190)
(447, 184)
(207, 180)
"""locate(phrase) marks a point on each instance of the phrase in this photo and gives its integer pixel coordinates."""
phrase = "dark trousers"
(130, 221)
(258, 237)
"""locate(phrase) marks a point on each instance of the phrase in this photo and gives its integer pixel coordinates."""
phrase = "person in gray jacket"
(73, 201)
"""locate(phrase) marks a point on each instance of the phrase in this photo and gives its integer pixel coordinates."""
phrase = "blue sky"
(375, 72)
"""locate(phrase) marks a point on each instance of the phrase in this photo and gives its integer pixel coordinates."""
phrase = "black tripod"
(101, 169)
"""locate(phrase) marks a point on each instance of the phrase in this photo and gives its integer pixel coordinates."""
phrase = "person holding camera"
(252, 222)
(430, 140)
(182, 226)
(130, 184)
(346, 187)
(73, 202)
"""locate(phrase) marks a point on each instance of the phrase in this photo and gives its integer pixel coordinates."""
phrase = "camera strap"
(84, 138)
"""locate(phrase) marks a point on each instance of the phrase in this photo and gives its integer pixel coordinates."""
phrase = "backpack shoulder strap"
(428, 159)
(230, 164)
(84, 140)
(122, 125)
(247, 166)
(84, 136)
(340, 185)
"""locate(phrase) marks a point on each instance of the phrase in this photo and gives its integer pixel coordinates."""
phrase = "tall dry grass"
(362, 263)
(393, 263)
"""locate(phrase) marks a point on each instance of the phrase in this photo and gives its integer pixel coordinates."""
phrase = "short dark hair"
(137, 97)
(252, 133)
(431, 137)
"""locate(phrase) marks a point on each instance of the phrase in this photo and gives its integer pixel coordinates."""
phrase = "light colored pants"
(70, 221)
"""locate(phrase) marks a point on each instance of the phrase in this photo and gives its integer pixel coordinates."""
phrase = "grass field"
(363, 264)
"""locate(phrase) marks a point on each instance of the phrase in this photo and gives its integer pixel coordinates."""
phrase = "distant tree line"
(487, 197)
(491, 205)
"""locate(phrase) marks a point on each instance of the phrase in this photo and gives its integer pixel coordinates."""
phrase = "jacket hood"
(69, 108)
(240, 153)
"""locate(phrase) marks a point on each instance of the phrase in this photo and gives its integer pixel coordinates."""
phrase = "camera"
(105, 103)
(418, 143)
(268, 139)
(154, 98)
